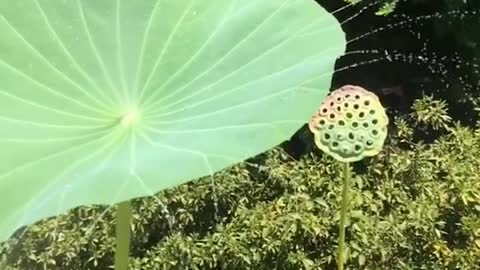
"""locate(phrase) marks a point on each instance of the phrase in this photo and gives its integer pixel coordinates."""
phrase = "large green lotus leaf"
(102, 101)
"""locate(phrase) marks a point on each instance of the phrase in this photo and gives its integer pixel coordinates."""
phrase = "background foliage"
(415, 206)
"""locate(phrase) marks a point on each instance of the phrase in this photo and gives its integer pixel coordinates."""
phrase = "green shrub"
(416, 207)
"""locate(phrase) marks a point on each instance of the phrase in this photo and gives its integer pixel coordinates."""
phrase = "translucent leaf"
(104, 101)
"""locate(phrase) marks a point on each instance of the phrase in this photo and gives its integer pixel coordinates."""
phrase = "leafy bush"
(416, 207)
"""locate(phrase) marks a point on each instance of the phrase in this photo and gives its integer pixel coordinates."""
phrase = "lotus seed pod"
(351, 124)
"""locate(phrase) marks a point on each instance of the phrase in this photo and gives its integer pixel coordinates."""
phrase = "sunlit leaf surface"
(104, 101)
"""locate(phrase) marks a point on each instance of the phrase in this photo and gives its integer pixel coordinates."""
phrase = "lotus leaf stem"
(122, 251)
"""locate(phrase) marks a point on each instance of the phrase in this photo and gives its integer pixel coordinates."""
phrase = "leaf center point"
(131, 117)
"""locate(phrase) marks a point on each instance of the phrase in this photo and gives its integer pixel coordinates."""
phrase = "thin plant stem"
(122, 251)
(343, 214)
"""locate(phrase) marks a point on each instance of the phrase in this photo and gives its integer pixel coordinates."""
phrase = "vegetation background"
(414, 206)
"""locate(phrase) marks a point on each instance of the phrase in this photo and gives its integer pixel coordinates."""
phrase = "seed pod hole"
(358, 148)
(372, 111)
(339, 108)
(345, 104)
(351, 136)
(339, 99)
(369, 143)
(347, 96)
(332, 104)
(357, 96)
(355, 124)
(356, 106)
(324, 110)
(349, 115)
(361, 115)
(374, 132)
(366, 102)
(365, 125)
(341, 123)
(335, 144)
(375, 121)
(331, 126)
(332, 116)
(326, 136)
